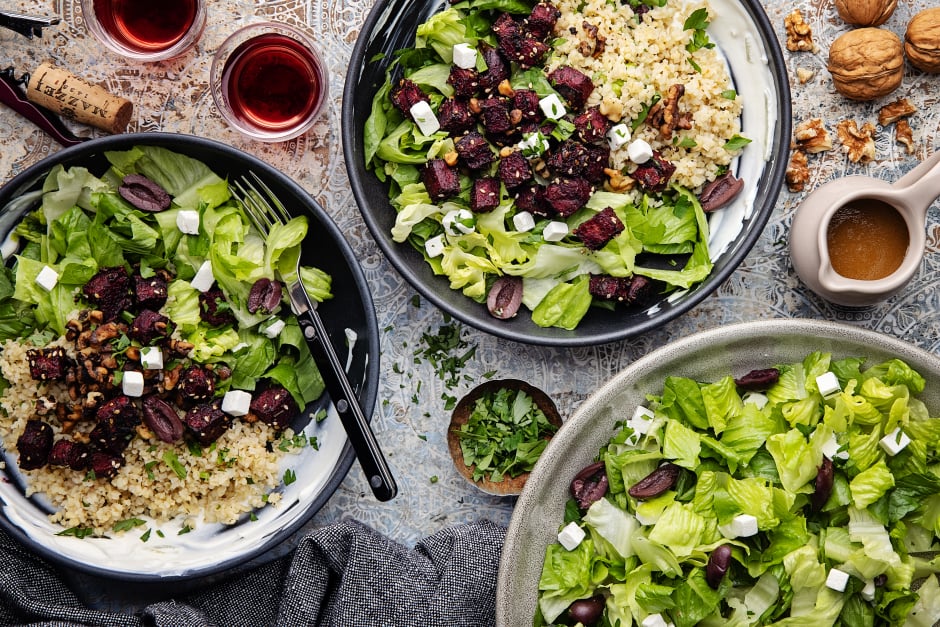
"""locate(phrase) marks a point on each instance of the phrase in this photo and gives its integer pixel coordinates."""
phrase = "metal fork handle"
(344, 398)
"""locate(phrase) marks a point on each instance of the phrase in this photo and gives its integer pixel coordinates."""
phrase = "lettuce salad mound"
(84, 225)
(664, 236)
(864, 556)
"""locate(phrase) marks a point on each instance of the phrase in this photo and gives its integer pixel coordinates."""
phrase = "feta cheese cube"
(894, 442)
(830, 449)
(132, 383)
(555, 231)
(424, 117)
(274, 329)
(47, 278)
(828, 384)
(618, 136)
(655, 620)
(434, 247)
(741, 526)
(552, 106)
(187, 221)
(533, 144)
(204, 277)
(571, 536)
(151, 358)
(837, 580)
(236, 402)
(465, 57)
(523, 221)
(756, 398)
(459, 222)
(868, 592)
(639, 151)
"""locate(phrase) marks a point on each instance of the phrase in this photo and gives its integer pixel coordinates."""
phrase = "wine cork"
(71, 97)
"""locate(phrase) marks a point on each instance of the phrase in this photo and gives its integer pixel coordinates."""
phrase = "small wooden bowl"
(509, 485)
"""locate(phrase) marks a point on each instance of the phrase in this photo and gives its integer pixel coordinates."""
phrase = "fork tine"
(277, 209)
(254, 205)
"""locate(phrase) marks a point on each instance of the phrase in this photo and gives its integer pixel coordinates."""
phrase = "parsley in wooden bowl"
(497, 432)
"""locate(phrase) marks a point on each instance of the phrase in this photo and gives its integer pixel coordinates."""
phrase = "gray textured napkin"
(344, 574)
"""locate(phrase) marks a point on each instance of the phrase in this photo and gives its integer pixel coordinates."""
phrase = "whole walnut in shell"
(866, 63)
(865, 12)
(922, 40)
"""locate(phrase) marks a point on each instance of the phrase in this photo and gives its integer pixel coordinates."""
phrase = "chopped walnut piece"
(904, 135)
(613, 109)
(900, 108)
(617, 181)
(797, 173)
(804, 75)
(665, 114)
(811, 136)
(593, 46)
(799, 34)
(859, 143)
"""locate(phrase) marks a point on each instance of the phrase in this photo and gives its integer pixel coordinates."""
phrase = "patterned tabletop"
(411, 418)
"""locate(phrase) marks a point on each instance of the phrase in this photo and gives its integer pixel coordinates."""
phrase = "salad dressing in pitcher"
(867, 239)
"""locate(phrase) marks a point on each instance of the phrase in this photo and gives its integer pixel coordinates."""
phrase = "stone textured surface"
(410, 419)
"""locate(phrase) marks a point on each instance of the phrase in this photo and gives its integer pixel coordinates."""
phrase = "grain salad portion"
(559, 156)
(150, 367)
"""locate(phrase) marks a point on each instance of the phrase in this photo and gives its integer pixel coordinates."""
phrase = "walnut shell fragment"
(858, 143)
(866, 63)
(865, 12)
(922, 40)
(811, 136)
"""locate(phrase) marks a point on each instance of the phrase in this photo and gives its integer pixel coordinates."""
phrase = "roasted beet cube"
(120, 414)
(466, 82)
(531, 198)
(607, 287)
(406, 95)
(639, 290)
(150, 293)
(653, 176)
(48, 364)
(599, 229)
(497, 68)
(274, 406)
(516, 43)
(74, 455)
(574, 159)
(207, 422)
(484, 195)
(105, 464)
(34, 444)
(527, 102)
(573, 85)
(566, 196)
(514, 170)
(110, 291)
(148, 326)
(494, 113)
(474, 151)
(592, 125)
(214, 310)
(542, 19)
(455, 116)
(441, 180)
(196, 384)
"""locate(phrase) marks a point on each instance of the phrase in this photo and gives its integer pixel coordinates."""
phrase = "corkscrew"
(27, 25)
(12, 95)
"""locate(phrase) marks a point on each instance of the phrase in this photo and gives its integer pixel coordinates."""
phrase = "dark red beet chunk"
(207, 422)
(214, 309)
(466, 82)
(574, 159)
(653, 176)
(406, 95)
(566, 196)
(110, 291)
(150, 293)
(542, 19)
(592, 126)
(514, 170)
(105, 464)
(48, 364)
(74, 455)
(474, 151)
(516, 43)
(441, 180)
(275, 406)
(34, 444)
(527, 102)
(455, 116)
(484, 195)
(148, 326)
(497, 69)
(196, 384)
(599, 229)
(531, 198)
(494, 113)
(573, 85)
(607, 287)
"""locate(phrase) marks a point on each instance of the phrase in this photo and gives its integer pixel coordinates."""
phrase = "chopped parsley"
(448, 352)
(129, 523)
(697, 22)
(289, 477)
(737, 142)
(171, 460)
(77, 532)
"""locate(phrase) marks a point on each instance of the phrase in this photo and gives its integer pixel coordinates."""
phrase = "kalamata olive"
(758, 379)
(720, 192)
(717, 566)
(265, 296)
(824, 479)
(586, 611)
(589, 485)
(657, 482)
(505, 297)
(144, 194)
(162, 419)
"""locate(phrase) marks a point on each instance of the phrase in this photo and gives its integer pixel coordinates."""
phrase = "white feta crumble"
(204, 277)
(47, 278)
(555, 231)
(465, 57)
(187, 221)
(837, 580)
(459, 222)
(274, 329)
(894, 442)
(618, 136)
(434, 246)
(741, 526)
(639, 151)
(132, 383)
(523, 221)
(151, 358)
(828, 384)
(552, 106)
(571, 536)
(236, 402)
(424, 117)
